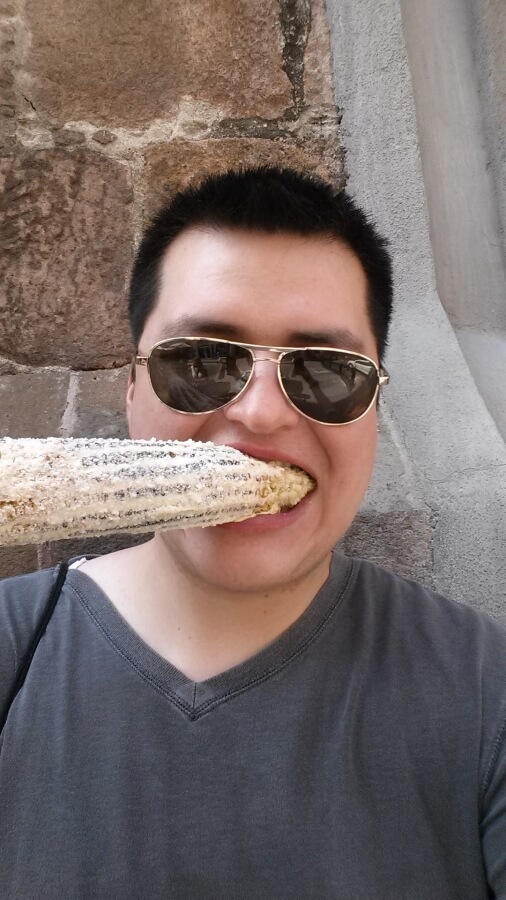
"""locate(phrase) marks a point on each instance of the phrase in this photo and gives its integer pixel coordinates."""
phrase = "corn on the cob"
(67, 488)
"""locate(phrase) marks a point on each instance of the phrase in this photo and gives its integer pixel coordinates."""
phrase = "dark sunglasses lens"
(329, 386)
(198, 376)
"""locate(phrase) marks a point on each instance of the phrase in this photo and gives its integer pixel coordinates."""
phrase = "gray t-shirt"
(360, 756)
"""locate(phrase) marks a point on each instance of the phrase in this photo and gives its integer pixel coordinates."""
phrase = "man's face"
(276, 290)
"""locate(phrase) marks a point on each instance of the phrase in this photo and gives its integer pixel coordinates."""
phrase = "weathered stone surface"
(174, 165)
(100, 404)
(17, 560)
(103, 136)
(8, 99)
(9, 367)
(33, 405)
(295, 18)
(88, 63)
(494, 12)
(65, 251)
(495, 23)
(394, 486)
(68, 137)
(318, 88)
(401, 542)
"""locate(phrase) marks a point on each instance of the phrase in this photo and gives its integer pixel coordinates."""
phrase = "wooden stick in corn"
(57, 488)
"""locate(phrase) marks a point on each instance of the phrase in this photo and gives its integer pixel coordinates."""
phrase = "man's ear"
(130, 395)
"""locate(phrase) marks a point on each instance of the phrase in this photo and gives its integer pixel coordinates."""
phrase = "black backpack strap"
(25, 663)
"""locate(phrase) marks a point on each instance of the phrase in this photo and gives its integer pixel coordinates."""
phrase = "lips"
(260, 524)
(268, 523)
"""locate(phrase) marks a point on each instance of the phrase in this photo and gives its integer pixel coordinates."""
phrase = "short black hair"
(271, 201)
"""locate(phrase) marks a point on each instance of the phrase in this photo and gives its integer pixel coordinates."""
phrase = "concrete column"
(437, 419)
(446, 50)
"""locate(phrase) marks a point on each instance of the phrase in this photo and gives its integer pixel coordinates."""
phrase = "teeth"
(54, 489)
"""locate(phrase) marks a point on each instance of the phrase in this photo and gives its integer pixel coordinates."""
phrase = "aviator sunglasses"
(198, 375)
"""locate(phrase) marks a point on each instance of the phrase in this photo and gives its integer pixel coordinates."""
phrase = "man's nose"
(263, 407)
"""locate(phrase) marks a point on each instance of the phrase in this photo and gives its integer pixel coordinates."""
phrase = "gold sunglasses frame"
(382, 374)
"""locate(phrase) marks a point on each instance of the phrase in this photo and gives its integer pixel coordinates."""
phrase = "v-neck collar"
(195, 699)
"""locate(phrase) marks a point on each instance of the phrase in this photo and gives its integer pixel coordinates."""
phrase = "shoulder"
(414, 601)
(403, 613)
(23, 596)
(22, 600)
(443, 657)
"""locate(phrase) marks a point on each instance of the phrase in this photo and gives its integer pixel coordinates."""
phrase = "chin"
(248, 579)
(245, 561)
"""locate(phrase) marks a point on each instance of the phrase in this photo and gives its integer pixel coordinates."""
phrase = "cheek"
(352, 451)
(148, 418)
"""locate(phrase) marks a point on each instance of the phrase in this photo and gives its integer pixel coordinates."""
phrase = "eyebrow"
(339, 337)
(193, 326)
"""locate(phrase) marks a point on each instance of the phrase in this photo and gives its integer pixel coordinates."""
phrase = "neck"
(204, 629)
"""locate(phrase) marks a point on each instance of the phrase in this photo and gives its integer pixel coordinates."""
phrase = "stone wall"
(104, 108)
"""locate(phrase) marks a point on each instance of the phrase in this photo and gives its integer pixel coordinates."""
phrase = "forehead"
(260, 288)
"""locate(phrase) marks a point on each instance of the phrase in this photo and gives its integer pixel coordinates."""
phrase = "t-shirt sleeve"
(493, 824)
(22, 601)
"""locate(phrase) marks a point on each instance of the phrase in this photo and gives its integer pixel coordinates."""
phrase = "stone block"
(68, 137)
(8, 99)
(100, 404)
(176, 164)
(6, 78)
(17, 561)
(318, 88)
(103, 136)
(65, 252)
(32, 405)
(398, 541)
(131, 65)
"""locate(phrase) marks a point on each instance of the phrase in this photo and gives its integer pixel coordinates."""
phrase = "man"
(241, 711)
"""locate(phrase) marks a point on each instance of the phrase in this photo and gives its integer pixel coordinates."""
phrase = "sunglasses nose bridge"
(267, 359)
(276, 361)
(252, 375)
